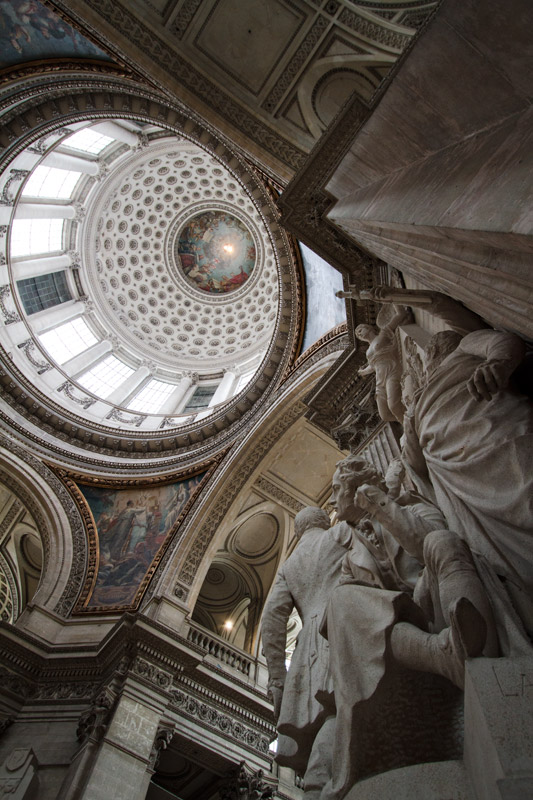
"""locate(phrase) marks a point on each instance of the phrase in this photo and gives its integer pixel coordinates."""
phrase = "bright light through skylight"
(105, 376)
(88, 140)
(67, 340)
(30, 237)
(151, 398)
(57, 184)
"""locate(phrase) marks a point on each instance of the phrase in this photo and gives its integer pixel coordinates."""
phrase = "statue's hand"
(275, 694)
(370, 498)
(488, 379)
(365, 371)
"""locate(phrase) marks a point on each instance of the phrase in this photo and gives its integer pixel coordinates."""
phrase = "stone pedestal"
(499, 727)
(443, 780)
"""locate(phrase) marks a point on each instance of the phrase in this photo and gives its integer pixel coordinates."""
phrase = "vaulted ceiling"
(271, 74)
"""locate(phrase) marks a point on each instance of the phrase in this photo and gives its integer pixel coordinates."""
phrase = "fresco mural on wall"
(216, 252)
(31, 32)
(132, 526)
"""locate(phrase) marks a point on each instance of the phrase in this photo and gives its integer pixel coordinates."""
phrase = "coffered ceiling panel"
(275, 72)
(247, 40)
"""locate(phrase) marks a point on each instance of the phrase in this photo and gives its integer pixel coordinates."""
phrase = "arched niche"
(240, 574)
(42, 541)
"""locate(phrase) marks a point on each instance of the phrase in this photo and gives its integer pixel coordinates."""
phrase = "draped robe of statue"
(304, 582)
(478, 455)
(374, 696)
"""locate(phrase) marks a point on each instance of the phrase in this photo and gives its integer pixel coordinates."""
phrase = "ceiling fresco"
(217, 252)
(31, 32)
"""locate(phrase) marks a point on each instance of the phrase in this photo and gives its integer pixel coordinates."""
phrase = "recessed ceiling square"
(247, 39)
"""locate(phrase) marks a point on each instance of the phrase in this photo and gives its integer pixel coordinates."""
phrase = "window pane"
(104, 378)
(88, 140)
(44, 291)
(67, 340)
(151, 398)
(57, 184)
(30, 237)
(200, 399)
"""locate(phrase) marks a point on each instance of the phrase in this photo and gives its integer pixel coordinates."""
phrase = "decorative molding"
(277, 494)
(119, 416)
(158, 677)
(78, 538)
(184, 17)
(296, 63)
(68, 389)
(208, 716)
(381, 34)
(29, 350)
(14, 175)
(41, 145)
(14, 683)
(9, 316)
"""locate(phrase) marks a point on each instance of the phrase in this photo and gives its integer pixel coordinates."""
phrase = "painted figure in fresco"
(132, 527)
(217, 252)
(119, 531)
(384, 359)
(302, 696)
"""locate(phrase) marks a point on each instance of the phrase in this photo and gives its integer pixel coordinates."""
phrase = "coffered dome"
(145, 271)
(154, 260)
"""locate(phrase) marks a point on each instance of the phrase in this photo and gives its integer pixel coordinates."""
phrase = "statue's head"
(310, 517)
(351, 473)
(366, 332)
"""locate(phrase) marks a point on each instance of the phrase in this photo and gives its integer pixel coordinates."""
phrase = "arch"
(59, 525)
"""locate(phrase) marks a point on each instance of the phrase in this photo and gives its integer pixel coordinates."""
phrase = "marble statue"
(454, 314)
(471, 432)
(410, 598)
(384, 359)
(300, 695)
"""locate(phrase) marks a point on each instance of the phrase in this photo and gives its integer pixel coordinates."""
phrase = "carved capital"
(242, 784)
(162, 740)
(95, 720)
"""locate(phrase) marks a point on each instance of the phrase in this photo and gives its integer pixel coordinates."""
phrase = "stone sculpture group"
(406, 586)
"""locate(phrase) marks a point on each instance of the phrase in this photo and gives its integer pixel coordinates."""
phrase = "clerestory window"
(51, 182)
(106, 376)
(151, 397)
(200, 398)
(30, 237)
(43, 291)
(68, 340)
(87, 140)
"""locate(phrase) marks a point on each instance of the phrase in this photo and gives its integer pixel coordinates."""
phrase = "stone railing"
(217, 647)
